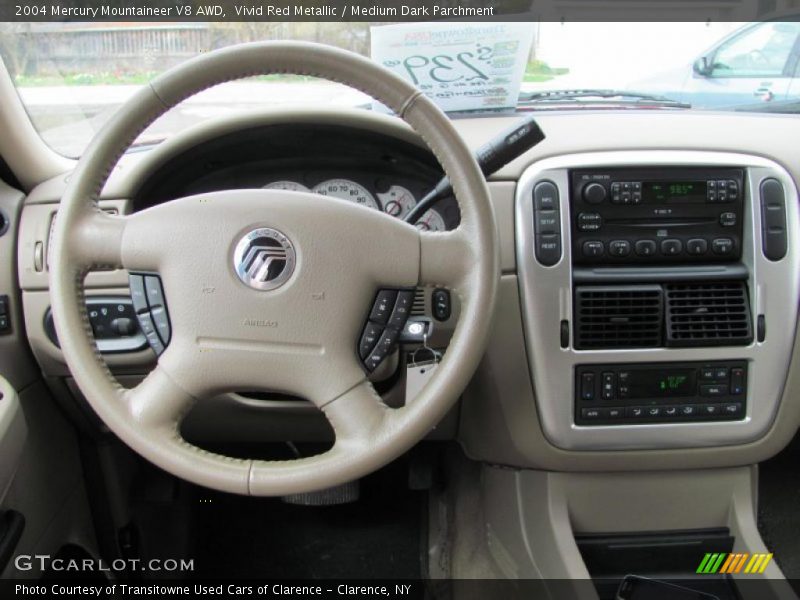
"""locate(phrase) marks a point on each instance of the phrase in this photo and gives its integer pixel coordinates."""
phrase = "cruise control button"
(645, 248)
(155, 296)
(671, 247)
(375, 358)
(369, 337)
(382, 308)
(696, 247)
(138, 295)
(402, 308)
(161, 321)
(387, 340)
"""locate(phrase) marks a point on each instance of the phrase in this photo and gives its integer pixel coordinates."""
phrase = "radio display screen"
(660, 383)
(674, 192)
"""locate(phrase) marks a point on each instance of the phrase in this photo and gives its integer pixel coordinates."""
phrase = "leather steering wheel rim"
(189, 242)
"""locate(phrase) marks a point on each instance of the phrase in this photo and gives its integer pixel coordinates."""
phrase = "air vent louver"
(713, 314)
(618, 316)
(418, 307)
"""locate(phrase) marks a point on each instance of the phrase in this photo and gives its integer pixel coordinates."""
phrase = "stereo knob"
(594, 193)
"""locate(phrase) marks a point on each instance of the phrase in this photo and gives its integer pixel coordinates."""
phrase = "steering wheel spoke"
(447, 259)
(158, 403)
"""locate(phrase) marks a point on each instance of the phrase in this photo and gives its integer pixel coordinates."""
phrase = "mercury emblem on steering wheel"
(264, 259)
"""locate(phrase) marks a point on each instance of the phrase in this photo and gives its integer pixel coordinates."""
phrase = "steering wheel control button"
(402, 308)
(369, 337)
(138, 295)
(161, 321)
(150, 306)
(387, 318)
(264, 259)
(440, 299)
(382, 307)
(546, 223)
(155, 295)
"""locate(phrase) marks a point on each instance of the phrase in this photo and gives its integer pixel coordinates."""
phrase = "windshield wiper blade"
(603, 95)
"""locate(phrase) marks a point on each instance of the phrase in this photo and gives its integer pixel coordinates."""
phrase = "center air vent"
(618, 316)
(711, 314)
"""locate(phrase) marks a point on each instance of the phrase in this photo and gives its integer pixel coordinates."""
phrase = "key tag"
(424, 361)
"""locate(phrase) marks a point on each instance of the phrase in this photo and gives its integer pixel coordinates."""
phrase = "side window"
(762, 51)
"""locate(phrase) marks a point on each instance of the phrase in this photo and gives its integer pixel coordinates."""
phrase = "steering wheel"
(299, 337)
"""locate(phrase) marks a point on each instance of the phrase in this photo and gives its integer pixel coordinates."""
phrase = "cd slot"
(664, 223)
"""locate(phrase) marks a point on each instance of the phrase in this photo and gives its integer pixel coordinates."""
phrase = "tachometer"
(397, 201)
(285, 184)
(431, 220)
(346, 190)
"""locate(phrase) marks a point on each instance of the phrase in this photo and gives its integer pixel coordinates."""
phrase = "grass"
(536, 71)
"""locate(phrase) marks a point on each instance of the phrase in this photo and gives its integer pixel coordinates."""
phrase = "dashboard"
(659, 226)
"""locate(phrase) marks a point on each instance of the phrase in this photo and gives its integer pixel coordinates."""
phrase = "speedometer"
(285, 184)
(346, 190)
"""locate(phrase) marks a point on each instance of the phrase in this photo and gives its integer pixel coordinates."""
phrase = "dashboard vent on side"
(628, 316)
(418, 306)
(707, 314)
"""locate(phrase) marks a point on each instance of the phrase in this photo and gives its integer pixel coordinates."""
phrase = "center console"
(659, 293)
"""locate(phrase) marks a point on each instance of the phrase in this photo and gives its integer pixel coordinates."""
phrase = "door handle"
(764, 93)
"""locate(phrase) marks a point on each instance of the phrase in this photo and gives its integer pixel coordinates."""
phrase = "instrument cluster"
(393, 199)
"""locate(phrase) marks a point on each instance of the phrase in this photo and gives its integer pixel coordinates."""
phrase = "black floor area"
(378, 536)
(779, 509)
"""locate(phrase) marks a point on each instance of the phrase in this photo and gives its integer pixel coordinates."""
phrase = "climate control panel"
(621, 394)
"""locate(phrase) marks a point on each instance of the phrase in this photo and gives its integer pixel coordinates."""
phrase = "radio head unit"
(669, 215)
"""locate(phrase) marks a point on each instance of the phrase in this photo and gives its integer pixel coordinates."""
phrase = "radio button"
(688, 410)
(594, 193)
(714, 391)
(593, 248)
(721, 373)
(634, 412)
(722, 184)
(637, 197)
(712, 184)
(733, 189)
(546, 221)
(645, 247)
(722, 246)
(712, 194)
(637, 186)
(619, 248)
(697, 246)
(722, 196)
(707, 373)
(589, 221)
(710, 410)
(627, 198)
(671, 247)
(545, 196)
(652, 412)
(727, 219)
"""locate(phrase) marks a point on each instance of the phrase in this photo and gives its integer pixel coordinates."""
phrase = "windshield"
(71, 77)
